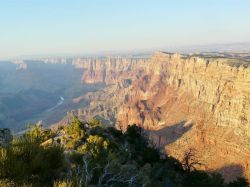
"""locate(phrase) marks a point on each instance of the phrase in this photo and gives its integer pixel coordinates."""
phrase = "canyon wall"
(110, 71)
(183, 101)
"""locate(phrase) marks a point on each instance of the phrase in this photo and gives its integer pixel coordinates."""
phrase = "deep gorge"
(184, 101)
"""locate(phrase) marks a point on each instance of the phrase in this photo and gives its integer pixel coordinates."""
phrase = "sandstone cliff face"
(184, 101)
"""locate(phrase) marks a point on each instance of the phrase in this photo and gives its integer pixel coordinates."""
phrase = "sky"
(36, 27)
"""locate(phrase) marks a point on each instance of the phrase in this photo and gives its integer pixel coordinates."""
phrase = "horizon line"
(170, 48)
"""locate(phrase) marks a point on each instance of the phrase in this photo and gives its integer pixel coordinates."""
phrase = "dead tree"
(190, 161)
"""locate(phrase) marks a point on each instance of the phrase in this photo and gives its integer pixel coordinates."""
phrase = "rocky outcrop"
(221, 90)
(5, 137)
(184, 102)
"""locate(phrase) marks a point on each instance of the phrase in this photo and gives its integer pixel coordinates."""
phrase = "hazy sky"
(30, 27)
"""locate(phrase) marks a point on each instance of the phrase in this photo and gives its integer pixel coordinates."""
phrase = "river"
(60, 102)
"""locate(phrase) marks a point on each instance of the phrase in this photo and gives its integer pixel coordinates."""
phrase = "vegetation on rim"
(91, 154)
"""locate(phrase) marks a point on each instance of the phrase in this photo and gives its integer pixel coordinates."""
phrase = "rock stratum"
(183, 101)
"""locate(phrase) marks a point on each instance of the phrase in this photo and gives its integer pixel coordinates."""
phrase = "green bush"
(96, 146)
(27, 160)
(94, 122)
(75, 129)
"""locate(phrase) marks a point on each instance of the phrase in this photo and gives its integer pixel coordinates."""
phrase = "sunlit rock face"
(184, 101)
(211, 94)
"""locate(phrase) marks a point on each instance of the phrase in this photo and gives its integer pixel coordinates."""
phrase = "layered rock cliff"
(196, 102)
(199, 102)
(110, 71)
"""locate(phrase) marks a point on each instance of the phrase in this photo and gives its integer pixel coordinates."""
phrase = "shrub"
(6, 183)
(239, 182)
(27, 160)
(75, 129)
(64, 183)
(94, 122)
(96, 146)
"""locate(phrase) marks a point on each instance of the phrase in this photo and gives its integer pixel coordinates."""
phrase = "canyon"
(38, 90)
(183, 101)
(199, 101)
